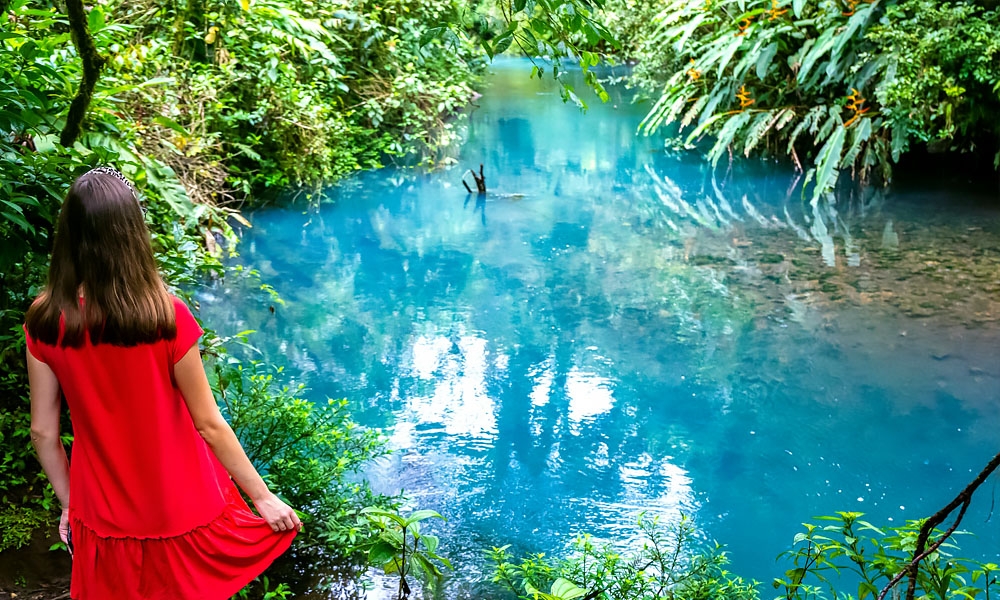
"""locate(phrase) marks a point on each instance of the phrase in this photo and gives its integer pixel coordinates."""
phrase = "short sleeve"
(34, 346)
(188, 332)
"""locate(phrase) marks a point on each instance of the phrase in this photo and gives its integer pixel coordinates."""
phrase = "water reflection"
(612, 330)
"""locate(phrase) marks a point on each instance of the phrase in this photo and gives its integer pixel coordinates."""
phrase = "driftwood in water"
(480, 181)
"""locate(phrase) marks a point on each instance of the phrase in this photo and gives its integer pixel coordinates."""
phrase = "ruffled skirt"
(210, 562)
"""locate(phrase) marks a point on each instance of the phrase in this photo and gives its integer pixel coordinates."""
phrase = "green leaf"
(729, 53)
(420, 515)
(378, 512)
(95, 18)
(430, 34)
(822, 46)
(566, 590)
(797, 6)
(758, 129)
(848, 34)
(502, 43)
(702, 127)
(900, 140)
(827, 161)
(424, 564)
(860, 132)
(765, 58)
(688, 30)
(381, 554)
(394, 537)
(727, 134)
(18, 220)
(171, 124)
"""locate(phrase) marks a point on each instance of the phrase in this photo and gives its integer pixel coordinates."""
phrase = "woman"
(149, 509)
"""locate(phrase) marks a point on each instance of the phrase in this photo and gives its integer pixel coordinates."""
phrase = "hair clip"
(118, 174)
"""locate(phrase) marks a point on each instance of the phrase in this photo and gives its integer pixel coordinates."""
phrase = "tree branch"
(920, 552)
(92, 64)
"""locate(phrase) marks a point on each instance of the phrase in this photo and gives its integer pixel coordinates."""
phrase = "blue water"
(615, 329)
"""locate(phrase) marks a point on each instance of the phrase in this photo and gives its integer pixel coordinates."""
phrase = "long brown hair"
(102, 248)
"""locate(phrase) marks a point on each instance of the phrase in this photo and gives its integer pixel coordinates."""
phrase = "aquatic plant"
(397, 545)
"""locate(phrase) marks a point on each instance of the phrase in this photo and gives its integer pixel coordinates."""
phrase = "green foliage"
(553, 29)
(262, 588)
(398, 546)
(547, 32)
(850, 84)
(845, 550)
(670, 564)
(275, 93)
(17, 523)
(307, 453)
(943, 68)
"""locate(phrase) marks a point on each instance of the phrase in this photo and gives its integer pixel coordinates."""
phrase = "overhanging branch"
(921, 551)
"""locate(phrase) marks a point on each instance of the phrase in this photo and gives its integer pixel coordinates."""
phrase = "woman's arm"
(46, 404)
(189, 372)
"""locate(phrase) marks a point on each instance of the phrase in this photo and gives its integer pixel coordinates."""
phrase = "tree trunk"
(92, 64)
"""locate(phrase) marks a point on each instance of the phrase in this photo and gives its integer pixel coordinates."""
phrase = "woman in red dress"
(149, 508)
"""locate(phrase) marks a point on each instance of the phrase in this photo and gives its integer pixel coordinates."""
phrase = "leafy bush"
(309, 454)
(17, 523)
(849, 84)
(850, 551)
(670, 564)
(268, 94)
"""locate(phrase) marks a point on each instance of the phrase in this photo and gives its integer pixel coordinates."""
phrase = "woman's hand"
(64, 530)
(278, 515)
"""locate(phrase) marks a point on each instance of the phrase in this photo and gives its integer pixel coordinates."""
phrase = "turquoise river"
(616, 329)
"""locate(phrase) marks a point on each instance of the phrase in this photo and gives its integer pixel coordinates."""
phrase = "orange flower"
(693, 73)
(774, 13)
(744, 97)
(744, 24)
(855, 103)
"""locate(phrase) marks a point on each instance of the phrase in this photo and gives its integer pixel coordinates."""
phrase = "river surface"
(614, 329)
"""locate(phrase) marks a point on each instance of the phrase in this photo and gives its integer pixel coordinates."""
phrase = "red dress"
(153, 513)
